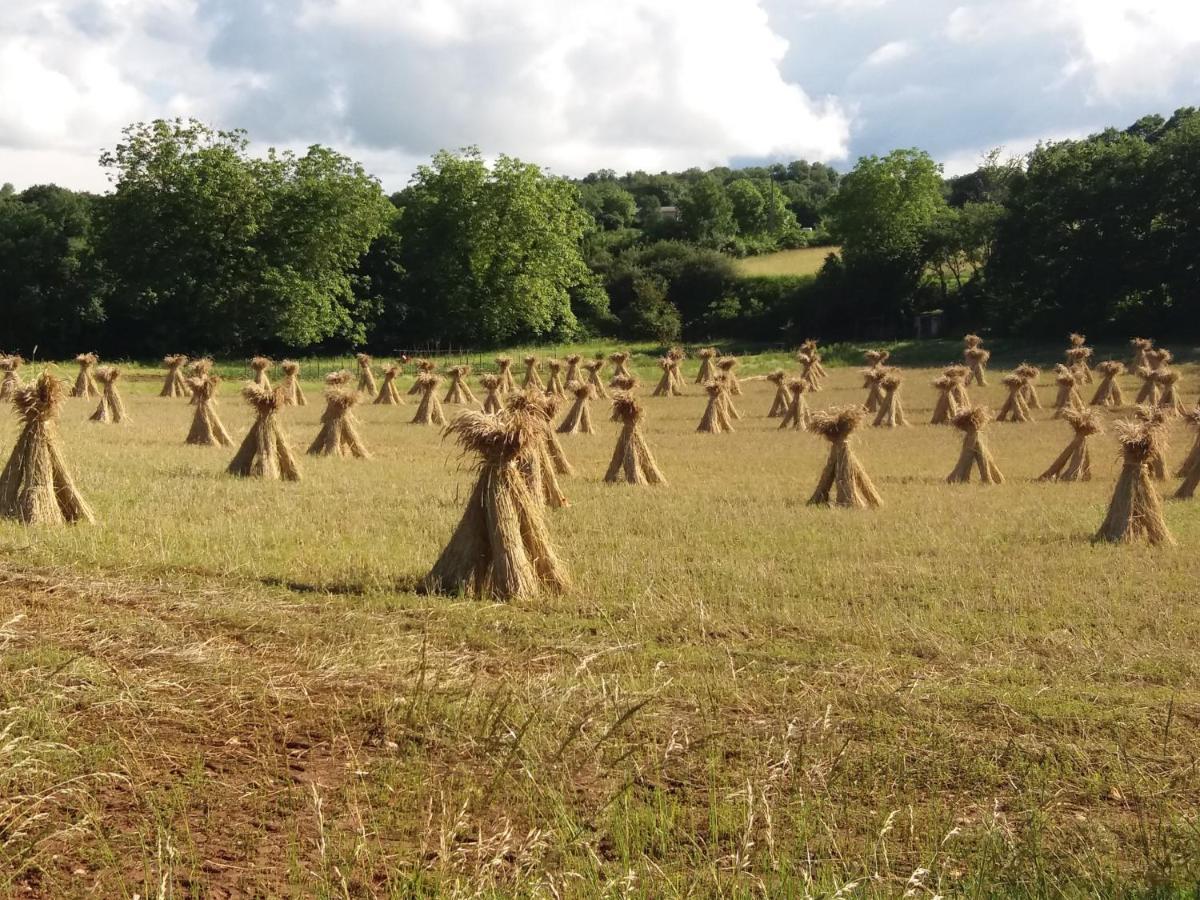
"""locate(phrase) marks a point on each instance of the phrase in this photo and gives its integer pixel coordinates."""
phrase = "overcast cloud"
(582, 84)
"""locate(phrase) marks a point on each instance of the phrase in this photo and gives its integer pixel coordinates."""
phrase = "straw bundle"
(502, 545)
(1068, 393)
(111, 408)
(620, 362)
(491, 385)
(975, 454)
(339, 429)
(725, 367)
(337, 379)
(977, 360)
(532, 378)
(797, 415)
(573, 361)
(1076, 340)
(971, 340)
(293, 394)
(1075, 462)
(558, 458)
(259, 365)
(1190, 470)
(1108, 393)
(891, 411)
(872, 380)
(429, 412)
(625, 383)
(460, 391)
(9, 365)
(875, 359)
(200, 367)
(1140, 347)
(593, 377)
(207, 429)
(1154, 419)
(779, 405)
(85, 384)
(707, 371)
(1014, 409)
(1169, 400)
(946, 406)
(366, 377)
(726, 396)
(579, 417)
(35, 486)
(632, 460)
(264, 452)
(808, 371)
(174, 386)
(1148, 393)
(666, 384)
(1077, 360)
(554, 387)
(537, 462)
(677, 355)
(1159, 358)
(1029, 374)
(1135, 511)
(423, 367)
(716, 414)
(504, 373)
(960, 375)
(809, 348)
(389, 394)
(843, 481)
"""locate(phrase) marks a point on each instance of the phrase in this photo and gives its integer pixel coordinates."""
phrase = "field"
(229, 688)
(805, 261)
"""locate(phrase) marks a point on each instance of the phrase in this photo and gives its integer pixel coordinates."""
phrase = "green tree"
(609, 204)
(707, 213)
(748, 206)
(212, 249)
(51, 284)
(492, 254)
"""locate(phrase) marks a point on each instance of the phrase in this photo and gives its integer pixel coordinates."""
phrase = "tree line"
(202, 247)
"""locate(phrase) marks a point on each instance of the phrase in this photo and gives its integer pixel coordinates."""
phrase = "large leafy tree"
(49, 275)
(211, 249)
(882, 214)
(490, 253)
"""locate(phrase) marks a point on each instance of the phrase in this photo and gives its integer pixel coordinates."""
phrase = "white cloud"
(892, 51)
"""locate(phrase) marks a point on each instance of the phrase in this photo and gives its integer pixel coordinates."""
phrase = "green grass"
(227, 686)
(805, 261)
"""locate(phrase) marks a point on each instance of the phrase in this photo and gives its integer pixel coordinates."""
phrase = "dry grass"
(741, 695)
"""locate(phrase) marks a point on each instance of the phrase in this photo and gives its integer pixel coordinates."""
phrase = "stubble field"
(228, 688)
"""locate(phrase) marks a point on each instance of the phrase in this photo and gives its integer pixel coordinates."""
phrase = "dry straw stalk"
(259, 365)
(1014, 408)
(593, 369)
(946, 406)
(632, 460)
(389, 394)
(491, 385)
(264, 453)
(339, 429)
(977, 360)
(85, 384)
(1189, 471)
(501, 547)
(798, 414)
(779, 403)
(207, 429)
(1108, 392)
(366, 377)
(112, 408)
(460, 391)
(532, 377)
(504, 373)
(1135, 511)
(554, 387)
(36, 487)
(1075, 462)
(716, 414)
(10, 366)
(293, 394)
(429, 411)
(891, 410)
(843, 481)
(173, 385)
(974, 454)
(579, 417)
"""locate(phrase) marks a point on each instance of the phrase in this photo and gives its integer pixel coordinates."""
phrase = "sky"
(578, 85)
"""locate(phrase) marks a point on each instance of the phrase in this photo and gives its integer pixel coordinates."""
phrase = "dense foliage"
(202, 247)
